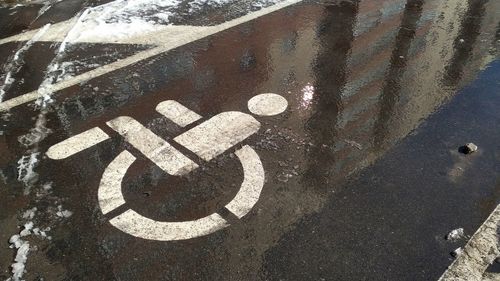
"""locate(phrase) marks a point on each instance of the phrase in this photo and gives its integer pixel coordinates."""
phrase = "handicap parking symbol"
(207, 140)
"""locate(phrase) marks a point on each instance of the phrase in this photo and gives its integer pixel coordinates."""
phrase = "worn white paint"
(139, 226)
(110, 189)
(57, 33)
(152, 146)
(77, 143)
(216, 135)
(209, 139)
(491, 276)
(13, 66)
(185, 37)
(267, 104)
(479, 253)
(252, 185)
(110, 197)
(177, 113)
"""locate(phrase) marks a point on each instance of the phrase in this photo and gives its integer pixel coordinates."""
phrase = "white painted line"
(216, 135)
(479, 253)
(252, 185)
(152, 146)
(173, 43)
(110, 190)
(12, 65)
(57, 33)
(77, 143)
(139, 226)
(177, 113)
(110, 197)
(491, 277)
(267, 104)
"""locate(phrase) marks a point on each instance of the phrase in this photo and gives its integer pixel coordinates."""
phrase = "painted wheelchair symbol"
(207, 140)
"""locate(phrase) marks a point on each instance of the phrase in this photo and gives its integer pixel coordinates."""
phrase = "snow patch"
(30, 214)
(457, 252)
(63, 213)
(18, 268)
(124, 19)
(455, 234)
(196, 5)
(23, 247)
(25, 171)
(17, 241)
(17, 61)
(47, 186)
(36, 134)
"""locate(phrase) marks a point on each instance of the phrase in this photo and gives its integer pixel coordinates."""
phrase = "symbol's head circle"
(267, 104)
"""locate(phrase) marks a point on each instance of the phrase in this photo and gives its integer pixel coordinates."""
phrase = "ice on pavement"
(18, 267)
(123, 19)
(27, 229)
(25, 172)
(16, 62)
(23, 247)
(63, 213)
(455, 234)
(30, 214)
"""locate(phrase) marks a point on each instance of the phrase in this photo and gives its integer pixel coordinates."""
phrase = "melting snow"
(63, 213)
(23, 247)
(36, 134)
(123, 19)
(15, 64)
(30, 214)
(25, 171)
(455, 234)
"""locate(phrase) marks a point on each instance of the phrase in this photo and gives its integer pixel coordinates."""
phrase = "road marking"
(77, 143)
(267, 104)
(152, 146)
(479, 253)
(131, 222)
(177, 113)
(110, 190)
(139, 226)
(208, 140)
(491, 277)
(216, 135)
(253, 182)
(182, 39)
(57, 33)
(14, 64)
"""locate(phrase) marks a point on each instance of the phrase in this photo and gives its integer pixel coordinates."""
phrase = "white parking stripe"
(152, 146)
(110, 190)
(77, 143)
(253, 181)
(216, 135)
(491, 277)
(177, 113)
(57, 33)
(479, 253)
(181, 40)
(139, 226)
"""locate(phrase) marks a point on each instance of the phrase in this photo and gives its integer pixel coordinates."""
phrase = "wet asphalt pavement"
(363, 178)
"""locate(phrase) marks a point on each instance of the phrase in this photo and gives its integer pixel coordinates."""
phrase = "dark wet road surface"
(363, 177)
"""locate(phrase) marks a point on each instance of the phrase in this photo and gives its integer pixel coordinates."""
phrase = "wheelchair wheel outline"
(110, 197)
